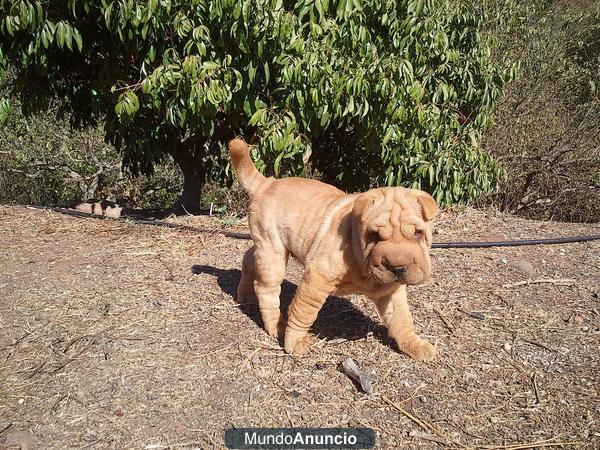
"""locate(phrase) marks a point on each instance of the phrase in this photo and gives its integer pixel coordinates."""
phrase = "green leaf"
(300, 98)
(324, 119)
(277, 163)
(388, 135)
(108, 13)
(78, 39)
(5, 110)
(151, 53)
(60, 34)
(307, 153)
(45, 38)
(257, 117)
(68, 36)
(416, 91)
(210, 65)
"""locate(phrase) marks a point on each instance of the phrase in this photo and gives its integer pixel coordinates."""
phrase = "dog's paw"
(419, 349)
(277, 329)
(297, 346)
(245, 292)
(281, 327)
(272, 331)
(245, 297)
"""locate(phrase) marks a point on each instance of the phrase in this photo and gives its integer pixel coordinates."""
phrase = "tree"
(365, 92)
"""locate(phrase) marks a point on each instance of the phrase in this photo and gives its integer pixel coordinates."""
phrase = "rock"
(5, 281)
(19, 440)
(477, 315)
(113, 211)
(85, 207)
(109, 209)
(524, 266)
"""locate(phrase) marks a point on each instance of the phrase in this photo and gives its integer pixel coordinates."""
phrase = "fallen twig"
(537, 344)
(535, 388)
(35, 370)
(422, 423)
(366, 378)
(74, 340)
(6, 427)
(90, 444)
(554, 281)
(248, 359)
(515, 336)
(532, 445)
(475, 315)
(92, 339)
(446, 321)
(427, 436)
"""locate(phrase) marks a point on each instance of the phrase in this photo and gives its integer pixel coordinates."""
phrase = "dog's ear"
(359, 220)
(361, 205)
(428, 204)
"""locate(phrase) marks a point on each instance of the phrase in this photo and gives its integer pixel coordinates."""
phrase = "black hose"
(516, 243)
(238, 235)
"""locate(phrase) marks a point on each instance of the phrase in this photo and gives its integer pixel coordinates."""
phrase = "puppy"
(373, 243)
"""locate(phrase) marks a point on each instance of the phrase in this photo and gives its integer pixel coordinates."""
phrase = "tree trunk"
(190, 159)
(189, 200)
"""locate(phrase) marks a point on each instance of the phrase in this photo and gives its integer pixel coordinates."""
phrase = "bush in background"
(369, 92)
(44, 162)
(547, 133)
(546, 136)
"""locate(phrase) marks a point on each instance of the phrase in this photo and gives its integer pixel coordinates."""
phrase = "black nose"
(399, 271)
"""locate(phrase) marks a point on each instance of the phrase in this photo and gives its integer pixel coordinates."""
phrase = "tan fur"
(374, 243)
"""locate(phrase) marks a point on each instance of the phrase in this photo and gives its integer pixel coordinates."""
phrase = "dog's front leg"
(310, 296)
(394, 312)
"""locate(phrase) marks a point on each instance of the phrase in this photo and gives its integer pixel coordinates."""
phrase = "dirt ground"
(120, 335)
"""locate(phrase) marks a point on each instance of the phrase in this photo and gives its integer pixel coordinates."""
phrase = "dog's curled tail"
(245, 169)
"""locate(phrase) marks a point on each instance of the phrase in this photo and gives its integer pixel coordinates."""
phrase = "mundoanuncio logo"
(308, 438)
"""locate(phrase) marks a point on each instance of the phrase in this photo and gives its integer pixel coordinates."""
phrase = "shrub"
(548, 134)
(44, 162)
(366, 92)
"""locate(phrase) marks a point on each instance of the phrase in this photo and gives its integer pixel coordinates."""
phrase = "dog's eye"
(373, 236)
(418, 235)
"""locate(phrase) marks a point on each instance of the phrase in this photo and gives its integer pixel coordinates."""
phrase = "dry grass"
(120, 335)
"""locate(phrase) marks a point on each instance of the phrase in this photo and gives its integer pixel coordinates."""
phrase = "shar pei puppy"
(372, 243)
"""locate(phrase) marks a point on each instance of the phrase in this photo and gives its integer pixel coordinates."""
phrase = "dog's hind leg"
(394, 312)
(245, 289)
(270, 268)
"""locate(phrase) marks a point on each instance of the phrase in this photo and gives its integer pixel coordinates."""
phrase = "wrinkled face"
(392, 234)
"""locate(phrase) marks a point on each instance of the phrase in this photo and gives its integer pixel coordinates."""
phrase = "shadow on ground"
(338, 318)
